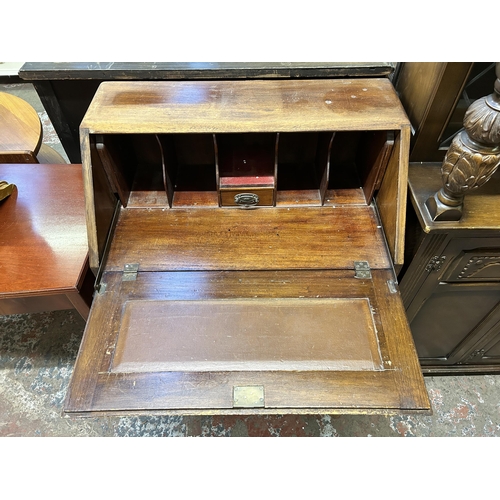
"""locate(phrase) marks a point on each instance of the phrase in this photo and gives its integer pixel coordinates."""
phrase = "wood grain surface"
(244, 106)
(197, 108)
(43, 237)
(429, 92)
(247, 334)
(392, 196)
(197, 263)
(481, 207)
(233, 239)
(20, 126)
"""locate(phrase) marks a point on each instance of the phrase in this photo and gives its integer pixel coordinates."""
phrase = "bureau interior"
(193, 170)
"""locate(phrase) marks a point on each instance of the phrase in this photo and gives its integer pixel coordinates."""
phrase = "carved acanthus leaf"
(482, 122)
(487, 168)
(473, 157)
(464, 169)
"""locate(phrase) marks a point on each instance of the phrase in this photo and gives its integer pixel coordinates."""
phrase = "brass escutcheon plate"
(248, 396)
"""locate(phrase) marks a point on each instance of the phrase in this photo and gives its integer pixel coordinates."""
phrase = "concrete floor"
(38, 351)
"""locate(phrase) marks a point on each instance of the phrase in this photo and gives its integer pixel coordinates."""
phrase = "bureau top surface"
(245, 106)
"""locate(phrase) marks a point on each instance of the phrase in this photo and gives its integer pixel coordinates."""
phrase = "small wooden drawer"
(247, 192)
(247, 198)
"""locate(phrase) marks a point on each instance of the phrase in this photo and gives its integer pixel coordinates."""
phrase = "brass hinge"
(130, 272)
(362, 269)
(392, 286)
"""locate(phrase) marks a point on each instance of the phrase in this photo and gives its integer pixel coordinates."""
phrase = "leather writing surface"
(367, 312)
(250, 334)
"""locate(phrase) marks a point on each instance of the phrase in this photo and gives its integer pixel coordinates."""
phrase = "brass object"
(362, 269)
(6, 189)
(246, 200)
(248, 396)
(130, 272)
(471, 160)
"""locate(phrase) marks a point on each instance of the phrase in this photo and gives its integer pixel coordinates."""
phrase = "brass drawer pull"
(246, 200)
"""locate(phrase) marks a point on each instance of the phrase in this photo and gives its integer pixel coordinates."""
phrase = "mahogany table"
(43, 240)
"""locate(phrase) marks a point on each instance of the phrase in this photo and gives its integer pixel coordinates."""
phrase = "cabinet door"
(452, 319)
(453, 314)
(483, 347)
(490, 353)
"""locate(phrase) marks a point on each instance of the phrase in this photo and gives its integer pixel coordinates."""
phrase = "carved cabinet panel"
(478, 264)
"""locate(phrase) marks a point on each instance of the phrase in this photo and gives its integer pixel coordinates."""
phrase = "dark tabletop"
(200, 70)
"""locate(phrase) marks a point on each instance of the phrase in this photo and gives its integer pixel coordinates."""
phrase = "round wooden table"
(21, 134)
(20, 126)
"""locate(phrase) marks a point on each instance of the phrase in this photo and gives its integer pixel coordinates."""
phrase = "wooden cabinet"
(451, 289)
(244, 234)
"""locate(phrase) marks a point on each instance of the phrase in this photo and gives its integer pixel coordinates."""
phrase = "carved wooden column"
(473, 157)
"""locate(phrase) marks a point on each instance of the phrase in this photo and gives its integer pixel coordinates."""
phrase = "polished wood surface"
(225, 238)
(391, 198)
(43, 239)
(375, 155)
(49, 156)
(418, 84)
(481, 207)
(244, 106)
(472, 158)
(67, 88)
(21, 134)
(396, 386)
(100, 202)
